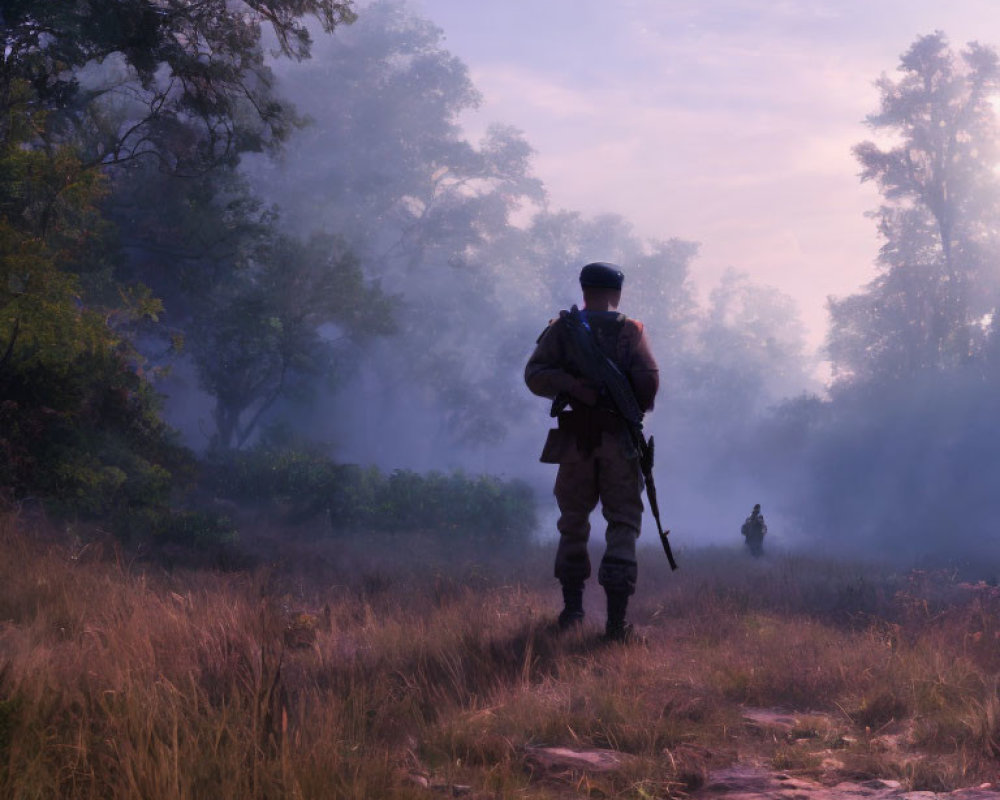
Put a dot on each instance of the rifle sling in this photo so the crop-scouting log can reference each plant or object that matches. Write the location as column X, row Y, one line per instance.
column 604, row 371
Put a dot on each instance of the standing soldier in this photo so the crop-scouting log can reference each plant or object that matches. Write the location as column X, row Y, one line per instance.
column 596, row 455
column 753, row 531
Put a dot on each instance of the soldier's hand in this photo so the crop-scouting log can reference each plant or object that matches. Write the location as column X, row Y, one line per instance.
column 585, row 392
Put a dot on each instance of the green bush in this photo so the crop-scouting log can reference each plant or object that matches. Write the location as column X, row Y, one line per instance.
column 86, row 434
column 305, row 484
column 85, row 437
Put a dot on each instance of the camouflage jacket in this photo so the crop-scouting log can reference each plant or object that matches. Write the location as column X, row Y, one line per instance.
column 550, row 372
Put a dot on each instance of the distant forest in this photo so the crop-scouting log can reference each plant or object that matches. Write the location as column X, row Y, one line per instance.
column 252, row 239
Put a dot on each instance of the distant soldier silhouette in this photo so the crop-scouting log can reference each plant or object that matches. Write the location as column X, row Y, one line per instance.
column 592, row 446
column 754, row 529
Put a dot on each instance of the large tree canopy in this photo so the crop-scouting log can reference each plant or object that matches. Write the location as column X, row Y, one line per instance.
column 186, row 82
column 902, row 455
column 933, row 302
column 93, row 92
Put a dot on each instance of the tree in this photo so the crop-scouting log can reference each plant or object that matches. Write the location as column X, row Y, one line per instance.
column 78, row 421
column 276, row 324
column 753, row 332
column 902, row 456
column 383, row 159
column 384, row 163
column 88, row 89
column 186, row 83
column 932, row 304
column 48, row 213
column 188, row 69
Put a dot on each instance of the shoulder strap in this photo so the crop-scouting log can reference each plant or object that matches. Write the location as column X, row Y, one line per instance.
column 601, row 369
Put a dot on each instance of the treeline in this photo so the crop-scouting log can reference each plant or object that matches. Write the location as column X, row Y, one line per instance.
column 308, row 243
column 181, row 212
column 130, row 242
column 901, row 457
column 461, row 233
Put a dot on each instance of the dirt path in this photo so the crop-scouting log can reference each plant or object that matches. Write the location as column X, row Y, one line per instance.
column 743, row 782
column 754, row 781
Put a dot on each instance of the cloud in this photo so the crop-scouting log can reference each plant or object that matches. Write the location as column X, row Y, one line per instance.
column 515, row 84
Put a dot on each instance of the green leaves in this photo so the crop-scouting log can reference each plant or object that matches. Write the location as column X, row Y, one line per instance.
column 272, row 325
column 355, row 498
column 88, row 87
column 47, row 205
column 196, row 88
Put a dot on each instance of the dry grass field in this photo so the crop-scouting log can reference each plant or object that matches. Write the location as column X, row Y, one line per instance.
column 394, row 672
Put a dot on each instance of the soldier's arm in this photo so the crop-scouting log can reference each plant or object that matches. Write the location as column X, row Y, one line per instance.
column 643, row 371
column 546, row 374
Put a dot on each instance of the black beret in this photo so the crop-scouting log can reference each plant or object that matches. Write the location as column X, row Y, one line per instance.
column 601, row 275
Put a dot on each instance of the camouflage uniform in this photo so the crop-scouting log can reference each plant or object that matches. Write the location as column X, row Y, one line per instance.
column 596, row 458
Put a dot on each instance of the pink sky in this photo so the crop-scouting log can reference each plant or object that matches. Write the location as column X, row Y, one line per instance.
column 727, row 122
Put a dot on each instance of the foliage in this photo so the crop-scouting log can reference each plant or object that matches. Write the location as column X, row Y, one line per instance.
column 276, row 321
column 52, row 235
column 753, row 332
column 358, row 498
column 933, row 304
column 483, row 507
column 901, row 457
column 264, row 316
column 86, row 434
column 199, row 530
column 184, row 83
column 86, row 89
column 384, row 163
column 80, row 422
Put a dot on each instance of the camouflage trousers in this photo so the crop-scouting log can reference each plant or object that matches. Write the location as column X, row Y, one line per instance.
column 616, row 481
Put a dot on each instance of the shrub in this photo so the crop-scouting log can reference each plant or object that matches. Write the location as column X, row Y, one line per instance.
column 305, row 484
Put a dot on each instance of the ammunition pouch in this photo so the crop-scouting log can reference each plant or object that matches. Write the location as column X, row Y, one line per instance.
column 588, row 425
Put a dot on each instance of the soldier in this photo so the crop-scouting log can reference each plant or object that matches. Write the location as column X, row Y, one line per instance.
column 596, row 457
column 754, row 528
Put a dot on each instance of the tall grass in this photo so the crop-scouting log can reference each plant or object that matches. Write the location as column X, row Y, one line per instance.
column 379, row 674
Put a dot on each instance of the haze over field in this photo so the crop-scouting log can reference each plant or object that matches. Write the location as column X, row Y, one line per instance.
column 346, row 243
column 271, row 510
column 721, row 138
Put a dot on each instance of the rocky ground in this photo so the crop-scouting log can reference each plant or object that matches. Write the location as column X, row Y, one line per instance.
column 741, row 781
column 744, row 780
column 747, row 782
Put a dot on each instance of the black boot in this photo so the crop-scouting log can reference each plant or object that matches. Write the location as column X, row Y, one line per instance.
column 572, row 613
column 617, row 629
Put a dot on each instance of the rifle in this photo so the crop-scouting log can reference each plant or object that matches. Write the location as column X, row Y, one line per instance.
column 601, row 369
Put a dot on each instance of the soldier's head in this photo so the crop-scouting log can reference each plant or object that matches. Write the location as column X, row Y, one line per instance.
column 602, row 286
column 756, row 508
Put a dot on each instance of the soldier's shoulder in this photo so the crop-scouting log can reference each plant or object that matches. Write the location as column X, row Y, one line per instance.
column 552, row 326
column 633, row 328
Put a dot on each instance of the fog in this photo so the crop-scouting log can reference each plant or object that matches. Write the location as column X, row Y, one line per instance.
column 895, row 456
column 461, row 232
